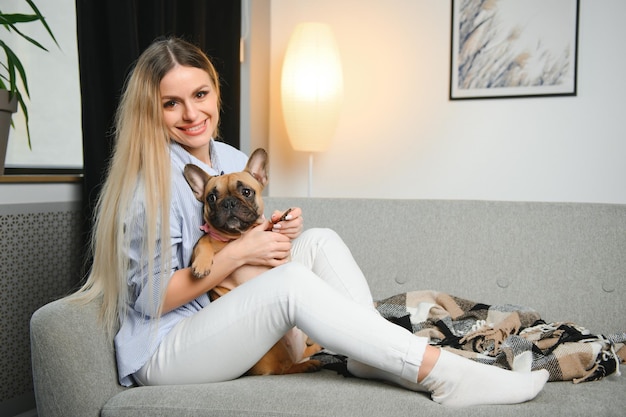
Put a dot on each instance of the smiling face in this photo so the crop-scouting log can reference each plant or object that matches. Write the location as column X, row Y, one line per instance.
column 190, row 108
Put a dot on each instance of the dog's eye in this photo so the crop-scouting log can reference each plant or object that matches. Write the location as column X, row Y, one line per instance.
column 211, row 198
column 246, row 192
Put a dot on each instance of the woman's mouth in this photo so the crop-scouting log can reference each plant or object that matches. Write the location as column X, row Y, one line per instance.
column 195, row 129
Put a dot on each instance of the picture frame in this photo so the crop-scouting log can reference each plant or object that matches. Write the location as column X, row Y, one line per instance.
column 513, row 48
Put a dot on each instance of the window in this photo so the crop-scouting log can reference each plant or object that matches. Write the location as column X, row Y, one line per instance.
column 53, row 80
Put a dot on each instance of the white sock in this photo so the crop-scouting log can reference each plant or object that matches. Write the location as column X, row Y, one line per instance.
column 362, row 370
column 459, row 382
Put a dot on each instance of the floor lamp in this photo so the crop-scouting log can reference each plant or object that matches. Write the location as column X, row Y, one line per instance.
column 311, row 89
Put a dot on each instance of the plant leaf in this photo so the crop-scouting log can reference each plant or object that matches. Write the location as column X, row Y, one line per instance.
column 14, row 18
column 43, row 20
column 28, row 38
column 22, row 104
column 14, row 63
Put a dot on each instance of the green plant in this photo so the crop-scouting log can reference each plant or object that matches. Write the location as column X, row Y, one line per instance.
column 12, row 67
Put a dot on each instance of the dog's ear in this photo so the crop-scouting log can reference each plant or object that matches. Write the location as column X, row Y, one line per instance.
column 197, row 179
column 257, row 166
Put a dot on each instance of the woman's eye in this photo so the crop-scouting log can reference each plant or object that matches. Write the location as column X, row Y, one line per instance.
column 202, row 94
column 169, row 104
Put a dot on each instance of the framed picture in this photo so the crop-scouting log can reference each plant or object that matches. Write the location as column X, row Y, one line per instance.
column 513, row 48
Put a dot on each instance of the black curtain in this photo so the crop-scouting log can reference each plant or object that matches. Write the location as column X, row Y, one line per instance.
column 111, row 36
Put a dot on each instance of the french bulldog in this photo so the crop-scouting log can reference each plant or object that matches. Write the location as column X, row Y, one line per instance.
column 232, row 205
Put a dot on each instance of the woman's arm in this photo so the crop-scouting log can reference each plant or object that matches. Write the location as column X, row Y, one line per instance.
column 257, row 247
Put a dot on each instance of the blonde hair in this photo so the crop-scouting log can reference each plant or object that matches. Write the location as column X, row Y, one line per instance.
column 141, row 156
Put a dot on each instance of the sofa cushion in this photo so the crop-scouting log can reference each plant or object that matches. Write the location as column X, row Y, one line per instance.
column 328, row 394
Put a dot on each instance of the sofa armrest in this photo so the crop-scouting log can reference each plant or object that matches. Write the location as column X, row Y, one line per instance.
column 74, row 368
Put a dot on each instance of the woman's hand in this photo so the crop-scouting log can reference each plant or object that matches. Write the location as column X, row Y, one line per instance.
column 261, row 247
column 293, row 224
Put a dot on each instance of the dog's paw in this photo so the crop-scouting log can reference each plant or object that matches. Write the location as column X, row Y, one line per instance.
column 311, row 365
column 200, row 269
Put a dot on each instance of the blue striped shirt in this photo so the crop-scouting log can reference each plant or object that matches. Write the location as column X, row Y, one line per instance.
column 139, row 336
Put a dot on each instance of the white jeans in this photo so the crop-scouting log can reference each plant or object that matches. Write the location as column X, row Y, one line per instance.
column 322, row 291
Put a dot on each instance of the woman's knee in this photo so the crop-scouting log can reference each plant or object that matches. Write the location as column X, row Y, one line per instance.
column 311, row 241
column 291, row 275
column 321, row 234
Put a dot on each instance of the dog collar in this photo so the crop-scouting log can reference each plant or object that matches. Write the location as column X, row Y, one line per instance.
column 206, row 228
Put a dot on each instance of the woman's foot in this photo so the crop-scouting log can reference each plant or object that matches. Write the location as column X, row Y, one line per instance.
column 459, row 382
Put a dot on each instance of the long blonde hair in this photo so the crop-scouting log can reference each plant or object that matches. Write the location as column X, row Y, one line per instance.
column 141, row 156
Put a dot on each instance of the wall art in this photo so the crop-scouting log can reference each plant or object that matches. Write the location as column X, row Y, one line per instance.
column 513, row 48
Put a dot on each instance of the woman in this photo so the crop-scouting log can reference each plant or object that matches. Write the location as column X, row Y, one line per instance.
column 147, row 221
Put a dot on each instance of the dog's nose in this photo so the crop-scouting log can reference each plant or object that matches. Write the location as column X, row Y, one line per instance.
column 229, row 203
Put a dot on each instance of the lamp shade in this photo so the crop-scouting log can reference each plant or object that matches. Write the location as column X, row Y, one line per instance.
column 311, row 87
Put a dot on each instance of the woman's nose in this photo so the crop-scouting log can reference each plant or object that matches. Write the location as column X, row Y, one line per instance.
column 190, row 111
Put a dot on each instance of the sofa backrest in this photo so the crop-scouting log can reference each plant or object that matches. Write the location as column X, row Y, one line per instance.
column 566, row 260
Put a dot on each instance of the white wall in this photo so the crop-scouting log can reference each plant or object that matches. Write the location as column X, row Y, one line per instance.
column 400, row 137
column 255, row 68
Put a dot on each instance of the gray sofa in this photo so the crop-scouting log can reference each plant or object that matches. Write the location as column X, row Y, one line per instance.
column 568, row 261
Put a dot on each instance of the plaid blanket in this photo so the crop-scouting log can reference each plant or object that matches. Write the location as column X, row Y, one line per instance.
column 508, row 336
